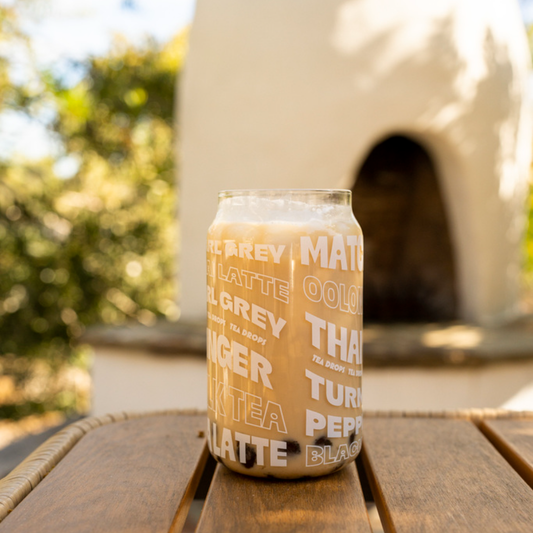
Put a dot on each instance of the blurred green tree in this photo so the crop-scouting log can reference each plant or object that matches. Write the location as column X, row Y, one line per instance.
column 529, row 246
column 87, row 236
column 528, row 261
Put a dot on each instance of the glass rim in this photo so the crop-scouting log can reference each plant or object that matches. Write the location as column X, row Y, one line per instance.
column 277, row 193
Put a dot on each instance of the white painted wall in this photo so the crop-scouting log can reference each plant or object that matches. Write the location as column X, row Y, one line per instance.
column 125, row 380
column 506, row 385
column 295, row 94
column 137, row 380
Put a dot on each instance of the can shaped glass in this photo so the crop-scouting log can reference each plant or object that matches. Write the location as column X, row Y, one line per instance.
column 284, row 333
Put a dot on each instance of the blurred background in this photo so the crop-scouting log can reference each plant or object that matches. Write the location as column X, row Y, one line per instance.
column 88, row 163
column 87, row 189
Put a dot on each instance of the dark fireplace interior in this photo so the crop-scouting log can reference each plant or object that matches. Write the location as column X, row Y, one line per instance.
column 409, row 263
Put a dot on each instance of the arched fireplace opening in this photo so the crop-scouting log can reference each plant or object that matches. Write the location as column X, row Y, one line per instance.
column 409, row 261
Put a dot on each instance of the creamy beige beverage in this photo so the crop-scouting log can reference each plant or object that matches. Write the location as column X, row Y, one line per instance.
column 284, row 336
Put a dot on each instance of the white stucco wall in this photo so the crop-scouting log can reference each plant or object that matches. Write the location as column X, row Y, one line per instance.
column 138, row 381
column 295, row 94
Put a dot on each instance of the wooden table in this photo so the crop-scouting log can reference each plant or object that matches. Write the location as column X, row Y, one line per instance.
column 469, row 471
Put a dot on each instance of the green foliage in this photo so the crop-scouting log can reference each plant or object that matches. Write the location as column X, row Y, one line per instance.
column 99, row 246
column 9, row 34
column 528, row 264
column 529, row 241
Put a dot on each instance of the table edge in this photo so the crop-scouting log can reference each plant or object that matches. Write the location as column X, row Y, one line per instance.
column 473, row 414
column 29, row 473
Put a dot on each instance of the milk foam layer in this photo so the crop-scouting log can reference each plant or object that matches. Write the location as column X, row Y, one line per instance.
column 282, row 210
column 284, row 337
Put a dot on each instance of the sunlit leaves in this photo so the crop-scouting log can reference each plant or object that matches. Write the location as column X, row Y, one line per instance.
column 99, row 246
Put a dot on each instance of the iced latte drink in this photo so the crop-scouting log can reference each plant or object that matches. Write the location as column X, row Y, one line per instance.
column 284, row 335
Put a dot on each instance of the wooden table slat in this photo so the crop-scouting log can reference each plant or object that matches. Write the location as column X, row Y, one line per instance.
column 129, row 476
column 514, row 440
column 442, row 475
column 330, row 503
column 434, row 472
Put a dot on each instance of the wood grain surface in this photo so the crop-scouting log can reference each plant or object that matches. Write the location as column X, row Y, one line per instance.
column 514, row 440
column 333, row 503
column 132, row 476
column 431, row 475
